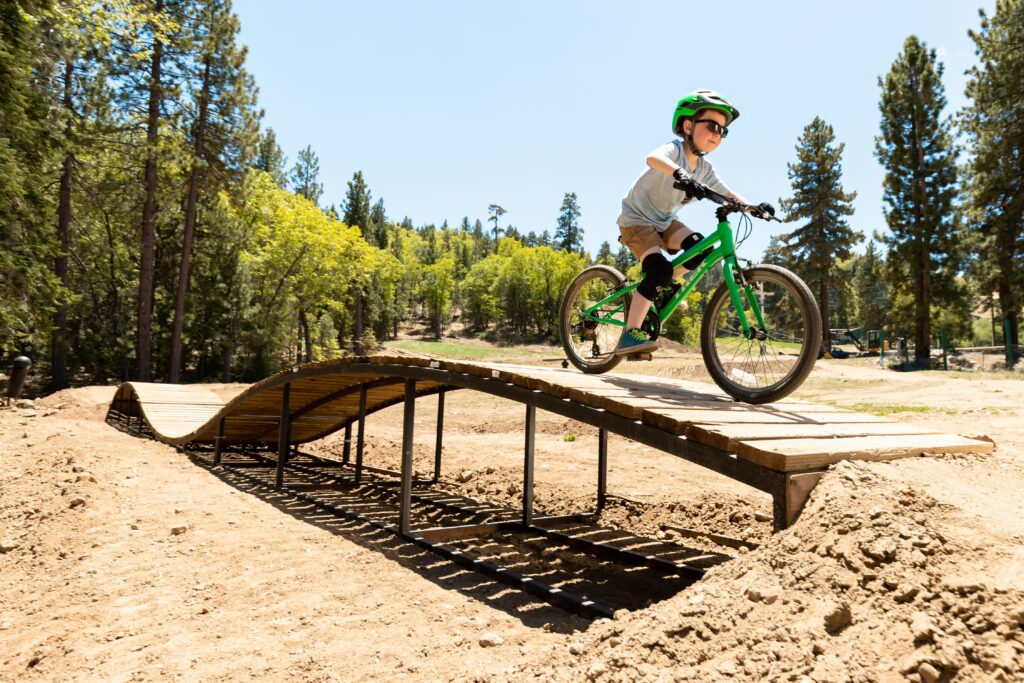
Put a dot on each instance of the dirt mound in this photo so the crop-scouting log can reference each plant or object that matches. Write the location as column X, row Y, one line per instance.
column 81, row 403
column 863, row 587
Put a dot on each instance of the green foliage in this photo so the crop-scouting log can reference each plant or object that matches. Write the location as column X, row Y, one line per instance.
column 820, row 204
column 870, row 294
column 994, row 123
column 569, row 234
column 916, row 150
column 306, row 175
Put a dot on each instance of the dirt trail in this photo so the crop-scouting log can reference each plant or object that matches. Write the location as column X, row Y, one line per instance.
column 120, row 559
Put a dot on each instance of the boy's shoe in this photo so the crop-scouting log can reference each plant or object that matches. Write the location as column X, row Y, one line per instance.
column 635, row 340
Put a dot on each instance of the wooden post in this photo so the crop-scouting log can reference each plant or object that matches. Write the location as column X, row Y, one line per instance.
column 407, row 435
column 602, row 468
column 284, row 436
column 789, row 499
column 531, row 430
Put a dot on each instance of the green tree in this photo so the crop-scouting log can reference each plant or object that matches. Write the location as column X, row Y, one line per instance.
column 604, row 254
column 568, row 233
column 496, row 212
column 223, row 133
column 270, row 158
column 994, row 123
column 306, row 175
column 821, row 205
column 871, row 296
column 357, row 207
column 916, row 150
column 623, row 259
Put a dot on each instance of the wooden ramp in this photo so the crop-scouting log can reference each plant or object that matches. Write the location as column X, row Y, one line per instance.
column 781, row 448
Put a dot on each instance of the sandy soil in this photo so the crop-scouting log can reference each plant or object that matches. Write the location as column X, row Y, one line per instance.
column 123, row 559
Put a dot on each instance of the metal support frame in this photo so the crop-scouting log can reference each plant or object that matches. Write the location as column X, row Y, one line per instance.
column 405, row 502
column 531, row 433
column 602, row 468
column 440, row 435
column 219, row 443
column 360, row 438
column 348, row 443
column 284, row 436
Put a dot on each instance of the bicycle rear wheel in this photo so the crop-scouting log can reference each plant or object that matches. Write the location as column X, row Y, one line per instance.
column 773, row 362
column 588, row 343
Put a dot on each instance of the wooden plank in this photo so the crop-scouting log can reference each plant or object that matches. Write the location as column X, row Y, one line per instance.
column 786, row 455
column 726, row 437
column 675, row 420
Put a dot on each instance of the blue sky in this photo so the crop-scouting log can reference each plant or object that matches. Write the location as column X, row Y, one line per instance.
column 447, row 107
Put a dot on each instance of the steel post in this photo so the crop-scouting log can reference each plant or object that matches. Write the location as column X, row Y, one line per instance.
column 405, row 502
column 602, row 468
column 284, row 436
column 531, row 431
column 440, row 435
column 348, row 443
column 361, row 434
column 219, row 449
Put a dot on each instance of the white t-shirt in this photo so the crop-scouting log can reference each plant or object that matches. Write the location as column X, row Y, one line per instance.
column 652, row 200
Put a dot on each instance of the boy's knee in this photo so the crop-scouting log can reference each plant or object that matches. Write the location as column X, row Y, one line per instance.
column 689, row 242
column 657, row 273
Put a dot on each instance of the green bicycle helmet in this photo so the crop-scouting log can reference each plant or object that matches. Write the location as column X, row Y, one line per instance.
column 697, row 100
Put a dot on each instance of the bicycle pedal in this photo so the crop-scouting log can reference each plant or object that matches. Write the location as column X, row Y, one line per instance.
column 640, row 356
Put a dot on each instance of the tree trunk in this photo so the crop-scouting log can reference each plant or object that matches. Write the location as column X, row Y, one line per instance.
column 190, row 226
column 147, row 259
column 922, row 338
column 826, row 332
column 359, row 322
column 58, row 348
column 228, row 352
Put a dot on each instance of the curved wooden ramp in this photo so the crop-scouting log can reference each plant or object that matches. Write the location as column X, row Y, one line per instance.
column 780, row 448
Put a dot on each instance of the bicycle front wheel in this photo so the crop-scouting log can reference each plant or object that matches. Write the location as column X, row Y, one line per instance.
column 765, row 364
column 589, row 339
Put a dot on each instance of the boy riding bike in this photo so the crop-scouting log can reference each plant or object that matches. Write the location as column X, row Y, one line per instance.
column 677, row 174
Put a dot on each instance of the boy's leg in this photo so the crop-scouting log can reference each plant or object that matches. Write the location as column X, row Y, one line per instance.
column 678, row 238
column 643, row 241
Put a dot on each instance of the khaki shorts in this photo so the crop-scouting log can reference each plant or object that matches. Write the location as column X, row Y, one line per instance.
column 641, row 238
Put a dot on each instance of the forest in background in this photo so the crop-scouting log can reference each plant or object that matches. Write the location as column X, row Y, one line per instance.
column 154, row 230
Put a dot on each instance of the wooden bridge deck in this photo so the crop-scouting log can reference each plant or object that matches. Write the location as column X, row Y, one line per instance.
column 781, row 448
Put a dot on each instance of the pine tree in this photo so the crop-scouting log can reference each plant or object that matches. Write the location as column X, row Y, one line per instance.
column 917, row 152
column 223, row 134
column 994, row 122
column 820, row 202
column 356, row 208
column 871, row 296
column 306, row 175
column 270, row 158
column 569, row 234
column 496, row 213
column 623, row 259
column 604, row 254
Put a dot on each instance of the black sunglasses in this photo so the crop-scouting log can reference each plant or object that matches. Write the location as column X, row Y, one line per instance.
column 714, row 127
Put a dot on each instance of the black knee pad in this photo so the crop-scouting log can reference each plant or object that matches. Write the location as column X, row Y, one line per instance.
column 688, row 243
column 657, row 273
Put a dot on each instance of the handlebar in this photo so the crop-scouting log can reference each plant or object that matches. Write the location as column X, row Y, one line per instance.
column 730, row 205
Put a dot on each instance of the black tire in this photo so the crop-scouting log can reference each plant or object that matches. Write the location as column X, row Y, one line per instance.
column 762, row 370
column 591, row 347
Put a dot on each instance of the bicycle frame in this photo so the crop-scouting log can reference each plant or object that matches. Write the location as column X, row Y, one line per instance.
column 724, row 251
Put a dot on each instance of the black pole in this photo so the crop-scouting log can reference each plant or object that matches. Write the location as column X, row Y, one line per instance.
column 359, row 437
column 440, row 433
column 407, row 433
column 219, row 443
column 348, row 443
column 284, row 436
column 602, row 468
column 531, row 430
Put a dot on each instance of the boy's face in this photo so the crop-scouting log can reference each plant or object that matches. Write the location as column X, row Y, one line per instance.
column 703, row 138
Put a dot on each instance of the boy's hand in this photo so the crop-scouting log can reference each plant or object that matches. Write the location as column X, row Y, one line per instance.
column 764, row 210
column 685, row 182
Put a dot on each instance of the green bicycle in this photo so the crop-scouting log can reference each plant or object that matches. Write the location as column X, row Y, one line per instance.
column 760, row 331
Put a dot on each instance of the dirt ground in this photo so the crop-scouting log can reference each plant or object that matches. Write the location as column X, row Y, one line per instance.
column 122, row 559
